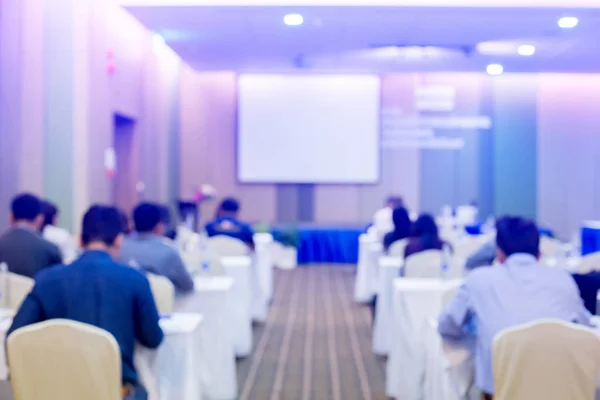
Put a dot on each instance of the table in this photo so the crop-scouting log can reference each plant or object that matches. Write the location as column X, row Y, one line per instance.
column 389, row 270
column 212, row 298
column 173, row 371
column 176, row 369
column 365, row 285
column 590, row 237
column 326, row 244
column 240, row 269
column 415, row 302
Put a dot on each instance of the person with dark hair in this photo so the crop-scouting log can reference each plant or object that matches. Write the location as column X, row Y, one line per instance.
column 96, row 290
column 518, row 291
column 23, row 248
column 125, row 222
column 228, row 224
column 150, row 251
column 383, row 218
column 402, row 227
column 424, row 236
column 54, row 234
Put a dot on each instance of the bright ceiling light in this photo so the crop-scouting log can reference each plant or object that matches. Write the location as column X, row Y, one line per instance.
column 568, row 22
column 293, row 19
column 526, row 50
column 495, row 69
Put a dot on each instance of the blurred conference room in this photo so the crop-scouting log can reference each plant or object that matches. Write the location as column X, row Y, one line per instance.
column 299, row 199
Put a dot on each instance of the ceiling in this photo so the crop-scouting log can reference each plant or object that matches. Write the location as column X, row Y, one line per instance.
column 376, row 39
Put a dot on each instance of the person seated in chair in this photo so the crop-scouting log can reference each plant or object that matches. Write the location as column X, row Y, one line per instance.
column 516, row 292
column 228, row 224
column 149, row 250
column 23, row 248
column 402, row 228
column 424, row 236
column 54, row 234
column 95, row 290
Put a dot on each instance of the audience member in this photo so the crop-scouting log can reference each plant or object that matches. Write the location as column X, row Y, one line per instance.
column 59, row 236
column 519, row 291
column 23, row 248
column 228, row 224
column 402, row 227
column 383, row 219
column 97, row 291
column 149, row 250
column 165, row 216
column 424, row 236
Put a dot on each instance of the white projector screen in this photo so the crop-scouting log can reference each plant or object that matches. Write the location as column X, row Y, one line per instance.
column 308, row 128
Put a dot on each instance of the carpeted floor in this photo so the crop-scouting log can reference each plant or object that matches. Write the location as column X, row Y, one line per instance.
column 316, row 343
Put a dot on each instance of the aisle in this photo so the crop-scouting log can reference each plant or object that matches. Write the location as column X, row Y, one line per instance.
column 316, row 344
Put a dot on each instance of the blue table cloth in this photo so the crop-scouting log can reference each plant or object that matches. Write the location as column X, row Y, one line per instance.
column 331, row 245
column 590, row 240
column 478, row 230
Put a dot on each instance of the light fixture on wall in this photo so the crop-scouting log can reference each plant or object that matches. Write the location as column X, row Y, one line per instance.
column 495, row 69
column 568, row 22
column 293, row 19
column 526, row 50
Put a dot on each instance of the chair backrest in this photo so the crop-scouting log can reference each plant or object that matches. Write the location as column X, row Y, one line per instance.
column 550, row 247
column 425, row 264
column 18, row 288
column 163, row 292
column 66, row 360
column 397, row 248
column 589, row 263
column 547, row 359
column 225, row 246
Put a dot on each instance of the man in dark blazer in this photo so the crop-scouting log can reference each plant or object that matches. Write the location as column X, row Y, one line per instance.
column 23, row 248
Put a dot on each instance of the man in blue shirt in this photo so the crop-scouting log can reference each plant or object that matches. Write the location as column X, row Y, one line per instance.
column 516, row 292
column 227, row 223
column 150, row 250
column 97, row 291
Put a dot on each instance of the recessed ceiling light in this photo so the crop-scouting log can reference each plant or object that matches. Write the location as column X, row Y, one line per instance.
column 568, row 22
column 526, row 50
column 293, row 19
column 495, row 69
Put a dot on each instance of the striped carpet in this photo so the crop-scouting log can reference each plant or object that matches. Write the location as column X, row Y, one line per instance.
column 316, row 343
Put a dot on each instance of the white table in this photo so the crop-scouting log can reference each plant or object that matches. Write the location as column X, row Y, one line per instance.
column 176, row 369
column 415, row 302
column 389, row 270
column 263, row 260
column 212, row 298
column 240, row 269
column 173, row 371
column 369, row 250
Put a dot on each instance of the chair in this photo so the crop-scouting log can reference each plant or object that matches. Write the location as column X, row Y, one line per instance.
column 589, row 263
column 66, row 360
column 14, row 288
column 550, row 248
column 547, row 359
column 224, row 246
column 397, row 248
column 163, row 292
column 426, row 264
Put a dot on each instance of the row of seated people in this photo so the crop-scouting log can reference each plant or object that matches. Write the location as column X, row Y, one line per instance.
column 100, row 287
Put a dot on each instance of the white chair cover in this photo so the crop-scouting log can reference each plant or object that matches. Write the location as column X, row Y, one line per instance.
column 66, row 360
column 14, row 289
column 426, row 264
column 548, row 359
column 550, row 248
column 163, row 292
column 589, row 263
column 365, row 285
column 224, row 246
column 397, row 248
